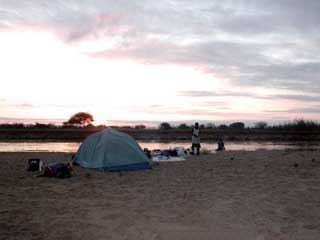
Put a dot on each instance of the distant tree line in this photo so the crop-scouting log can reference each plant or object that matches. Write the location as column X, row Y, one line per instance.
column 235, row 125
column 84, row 120
column 296, row 125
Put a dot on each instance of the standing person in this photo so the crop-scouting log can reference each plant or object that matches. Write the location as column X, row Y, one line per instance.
column 196, row 138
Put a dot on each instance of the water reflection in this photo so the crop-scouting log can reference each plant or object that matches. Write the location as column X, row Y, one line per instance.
column 73, row 146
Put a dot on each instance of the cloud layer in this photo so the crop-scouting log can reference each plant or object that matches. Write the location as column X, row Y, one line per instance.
column 274, row 44
column 259, row 43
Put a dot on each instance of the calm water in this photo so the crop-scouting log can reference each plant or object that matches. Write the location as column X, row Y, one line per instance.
column 73, row 146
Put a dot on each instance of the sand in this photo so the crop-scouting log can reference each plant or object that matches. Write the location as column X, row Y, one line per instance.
column 230, row 195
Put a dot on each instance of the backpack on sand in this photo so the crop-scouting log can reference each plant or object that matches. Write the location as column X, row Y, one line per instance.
column 35, row 164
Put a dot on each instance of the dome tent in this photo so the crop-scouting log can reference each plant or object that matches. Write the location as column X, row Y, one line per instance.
column 111, row 150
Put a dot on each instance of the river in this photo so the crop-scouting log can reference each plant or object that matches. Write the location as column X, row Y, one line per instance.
column 35, row 146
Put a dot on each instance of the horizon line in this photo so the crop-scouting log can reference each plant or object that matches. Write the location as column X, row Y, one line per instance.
column 148, row 123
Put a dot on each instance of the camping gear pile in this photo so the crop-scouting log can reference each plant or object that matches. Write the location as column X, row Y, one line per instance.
column 59, row 170
column 174, row 154
column 221, row 146
column 35, row 165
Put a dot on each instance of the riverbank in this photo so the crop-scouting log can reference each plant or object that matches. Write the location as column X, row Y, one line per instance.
column 79, row 134
column 229, row 195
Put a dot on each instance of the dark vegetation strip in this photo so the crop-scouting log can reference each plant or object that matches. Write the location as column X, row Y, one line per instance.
column 297, row 130
column 162, row 135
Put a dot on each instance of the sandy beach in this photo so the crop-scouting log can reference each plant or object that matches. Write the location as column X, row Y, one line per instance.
column 261, row 195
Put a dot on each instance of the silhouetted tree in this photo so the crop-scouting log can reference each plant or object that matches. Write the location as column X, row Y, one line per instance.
column 12, row 125
column 42, row 125
column 165, row 126
column 80, row 118
column 223, row 126
column 237, row 125
column 183, row 126
column 261, row 125
column 301, row 124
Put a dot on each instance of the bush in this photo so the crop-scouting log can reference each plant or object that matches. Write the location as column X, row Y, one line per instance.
column 165, row 126
column 237, row 125
column 183, row 126
column 223, row 126
column 299, row 125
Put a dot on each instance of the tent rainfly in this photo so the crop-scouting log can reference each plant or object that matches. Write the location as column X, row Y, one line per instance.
column 111, row 150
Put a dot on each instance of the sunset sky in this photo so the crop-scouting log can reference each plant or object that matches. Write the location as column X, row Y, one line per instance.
column 163, row 60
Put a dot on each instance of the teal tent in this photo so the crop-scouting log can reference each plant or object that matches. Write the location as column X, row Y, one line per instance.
column 111, row 150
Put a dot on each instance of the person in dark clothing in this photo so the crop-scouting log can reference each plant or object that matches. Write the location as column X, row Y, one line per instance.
column 220, row 145
column 196, row 139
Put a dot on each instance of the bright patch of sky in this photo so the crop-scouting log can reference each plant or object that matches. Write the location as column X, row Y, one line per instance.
column 158, row 61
